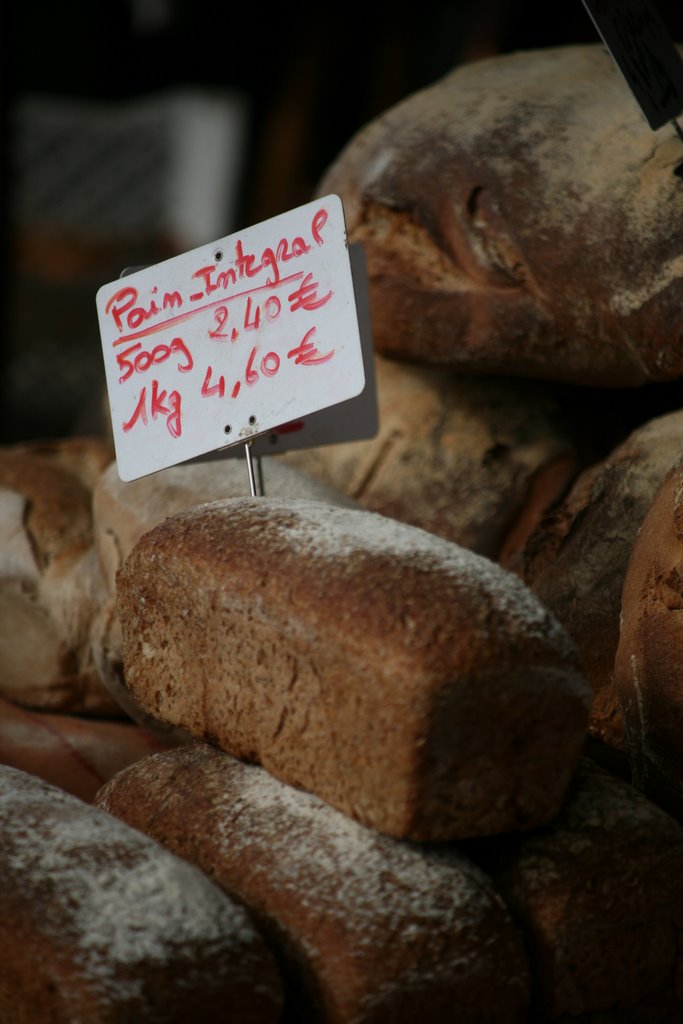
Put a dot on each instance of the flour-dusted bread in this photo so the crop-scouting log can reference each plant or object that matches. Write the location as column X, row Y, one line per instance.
column 101, row 924
column 475, row 460
column 598, row 893
column 649, row 661
column 366, row 928
column 576, row 558
column 51, row 583
column 516, row 218
column 409, row 682
column 124, row 510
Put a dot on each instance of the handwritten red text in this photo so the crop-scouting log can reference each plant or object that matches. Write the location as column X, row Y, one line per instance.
column 161, row 403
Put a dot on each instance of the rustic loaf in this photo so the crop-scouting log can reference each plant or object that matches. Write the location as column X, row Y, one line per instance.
column 460, row 456
column 51, row 584
column 124, row 510
column 576, row 558
column 647, row 670
column 101, row 924
column 515, row 217
column 598, row 893
column 411, row 683
column 366, row 928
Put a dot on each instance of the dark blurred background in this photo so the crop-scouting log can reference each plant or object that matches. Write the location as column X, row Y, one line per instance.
column 137, row 129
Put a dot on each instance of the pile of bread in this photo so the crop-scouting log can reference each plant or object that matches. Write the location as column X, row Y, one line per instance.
column 402, row 739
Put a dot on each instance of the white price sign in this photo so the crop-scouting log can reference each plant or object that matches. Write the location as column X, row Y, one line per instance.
column 231, row 340
column 353, row 420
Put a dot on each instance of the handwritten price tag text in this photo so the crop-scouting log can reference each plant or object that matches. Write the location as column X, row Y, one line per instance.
column 231, row 339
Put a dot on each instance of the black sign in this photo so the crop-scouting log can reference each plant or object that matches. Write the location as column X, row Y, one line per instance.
column 644, row 52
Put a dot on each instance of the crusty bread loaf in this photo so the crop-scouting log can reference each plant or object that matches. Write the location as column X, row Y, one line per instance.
column 515, row 217
column 411, row 683
column 101, row 924
column 576, row 559
column 124, row 510
column 51, row 584
column 366, row 928
column 647, row 670
column 460, row 456
column 598, row 893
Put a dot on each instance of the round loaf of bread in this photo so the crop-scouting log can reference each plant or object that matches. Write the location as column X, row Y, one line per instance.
column 102, row 924
column 647, row 669
column 598, row 894
column 366, row 928
column 409, row 682
column 457, row 455
column 516, row 219
column 51, row 583
column 576, row 558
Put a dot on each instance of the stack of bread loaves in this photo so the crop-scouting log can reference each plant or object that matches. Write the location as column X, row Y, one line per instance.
column 353, row 784
column 516, row 220
column 66, row 522
column 387, row 771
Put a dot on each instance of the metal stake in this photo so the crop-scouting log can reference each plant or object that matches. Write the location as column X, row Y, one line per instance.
column 255, row 479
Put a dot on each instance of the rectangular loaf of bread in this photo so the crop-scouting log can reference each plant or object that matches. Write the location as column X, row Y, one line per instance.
column 412, row 684
column 365, row 928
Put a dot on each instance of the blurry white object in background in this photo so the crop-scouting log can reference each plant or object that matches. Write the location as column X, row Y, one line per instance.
column 98, row 185
column 166, row 164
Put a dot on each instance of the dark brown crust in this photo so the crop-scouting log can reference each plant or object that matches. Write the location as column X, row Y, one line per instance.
column 101, row 924
column 647, row 665
column 507, row 230
column 598, row 893
column 376, row 675
column 366, row 929
column 577, row 557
